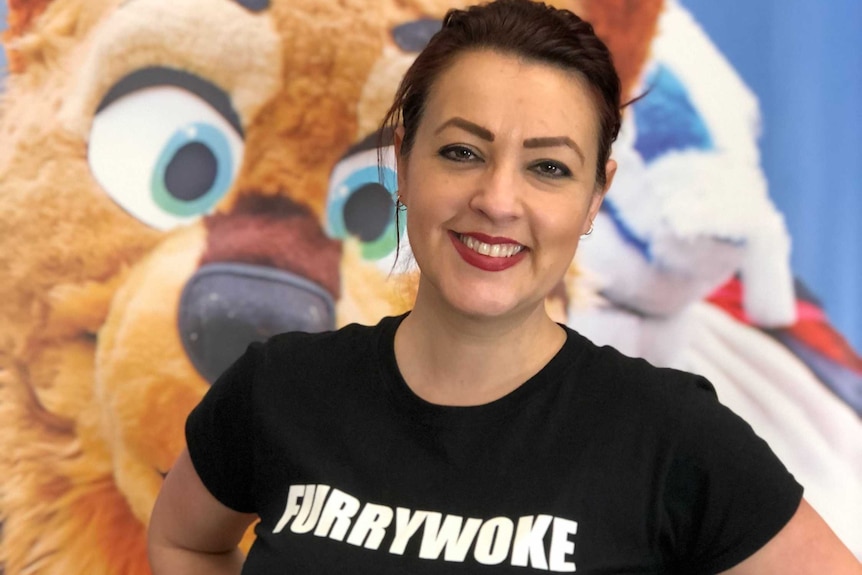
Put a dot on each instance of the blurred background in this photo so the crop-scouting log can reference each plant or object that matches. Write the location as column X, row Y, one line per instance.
column 804, row 62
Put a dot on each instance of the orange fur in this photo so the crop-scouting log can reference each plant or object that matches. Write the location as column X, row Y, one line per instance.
column 21, row 14
column 627, row 27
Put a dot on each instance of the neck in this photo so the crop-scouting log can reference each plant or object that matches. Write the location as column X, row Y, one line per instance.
column 449, row 358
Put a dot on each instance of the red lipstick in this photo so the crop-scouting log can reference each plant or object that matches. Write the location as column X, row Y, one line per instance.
column 483, row 262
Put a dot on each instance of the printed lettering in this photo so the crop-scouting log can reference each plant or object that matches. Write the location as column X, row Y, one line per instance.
column 371, row 524
column 540, row 542
column 337, row 513
column 291, row 508
column 529, row 547
column 405, row 527
column 495, row 537
column 312, row 503
column 450, row 538
column 561, row 545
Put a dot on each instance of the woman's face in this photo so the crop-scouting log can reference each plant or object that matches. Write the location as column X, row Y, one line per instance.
column 500, row 183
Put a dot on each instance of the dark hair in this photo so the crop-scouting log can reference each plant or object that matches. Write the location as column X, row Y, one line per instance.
column 525, row 29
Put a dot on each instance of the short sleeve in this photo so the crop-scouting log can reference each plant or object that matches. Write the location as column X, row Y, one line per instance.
column 727, row 494
column 219, row 434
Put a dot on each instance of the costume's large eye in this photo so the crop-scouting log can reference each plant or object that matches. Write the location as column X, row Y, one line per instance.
column 361, row 203
column 166, row 146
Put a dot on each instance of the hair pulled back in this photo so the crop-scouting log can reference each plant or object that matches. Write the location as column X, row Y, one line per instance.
column 524, row 29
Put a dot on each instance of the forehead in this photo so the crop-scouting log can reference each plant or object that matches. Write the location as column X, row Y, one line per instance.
column 504, row 92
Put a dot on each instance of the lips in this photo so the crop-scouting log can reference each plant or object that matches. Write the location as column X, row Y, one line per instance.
column 488, row 253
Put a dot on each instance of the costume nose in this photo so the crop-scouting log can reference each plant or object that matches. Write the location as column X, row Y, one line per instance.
column 268, row 268
column 226, row 306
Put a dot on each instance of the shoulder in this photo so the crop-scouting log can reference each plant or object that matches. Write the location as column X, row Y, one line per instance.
column 723, row 493
column 346, row 337
column 617, row 374
column 349, row 333
column 302, row 356
column 350, row 340
column 676, row 410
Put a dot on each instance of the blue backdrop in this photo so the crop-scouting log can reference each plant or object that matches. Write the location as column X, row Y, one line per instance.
column 804, row 61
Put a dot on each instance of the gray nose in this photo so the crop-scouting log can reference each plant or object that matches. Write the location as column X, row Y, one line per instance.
column 226, row 306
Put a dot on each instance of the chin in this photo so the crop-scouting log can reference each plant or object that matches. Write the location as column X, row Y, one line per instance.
column 491, row 306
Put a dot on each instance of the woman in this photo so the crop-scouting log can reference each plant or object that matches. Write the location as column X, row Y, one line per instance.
column 475, row 434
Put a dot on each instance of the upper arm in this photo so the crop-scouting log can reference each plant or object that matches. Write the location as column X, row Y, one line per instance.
column 186, row 515
column 806, row 545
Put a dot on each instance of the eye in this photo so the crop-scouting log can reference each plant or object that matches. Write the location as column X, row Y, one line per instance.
column 361, row 206
column 459, row 153
column 552, row 169
column 165, row 153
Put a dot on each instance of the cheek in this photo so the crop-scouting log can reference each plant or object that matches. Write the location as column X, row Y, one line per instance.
column 431, row 195
column 423, row 212
column 561, row 239
column 567, row 220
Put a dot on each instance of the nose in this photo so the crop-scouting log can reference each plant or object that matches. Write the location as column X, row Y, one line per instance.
column 498, row 194
column 268, row 268
column 226, row 306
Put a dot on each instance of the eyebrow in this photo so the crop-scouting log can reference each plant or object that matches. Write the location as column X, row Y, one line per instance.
column 485, row 134
column 467, row 125
column 558, row 141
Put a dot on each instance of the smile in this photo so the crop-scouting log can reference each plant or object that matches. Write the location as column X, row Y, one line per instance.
column 490, row 250
column 490, row 255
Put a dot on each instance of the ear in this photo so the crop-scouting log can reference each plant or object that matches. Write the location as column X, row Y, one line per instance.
column 400, row 164
column 599, row 194
column 20, row 18
column 610, row 172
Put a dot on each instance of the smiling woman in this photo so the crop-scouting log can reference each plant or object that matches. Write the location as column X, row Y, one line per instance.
column 474, row 434
column 493, row 183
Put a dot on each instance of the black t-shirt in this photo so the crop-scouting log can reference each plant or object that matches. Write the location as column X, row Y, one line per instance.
column 599, row 463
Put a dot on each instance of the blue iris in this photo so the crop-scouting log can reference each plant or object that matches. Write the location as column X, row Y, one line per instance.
column 193, row 171
column 363, row 206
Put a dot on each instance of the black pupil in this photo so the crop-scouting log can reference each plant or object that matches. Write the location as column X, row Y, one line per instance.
column 191, row 172
column 368, row 211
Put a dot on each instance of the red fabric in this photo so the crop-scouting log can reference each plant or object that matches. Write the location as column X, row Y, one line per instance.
column 812, row 327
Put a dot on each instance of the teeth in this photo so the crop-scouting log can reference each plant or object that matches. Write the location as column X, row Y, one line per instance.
column 492, row 250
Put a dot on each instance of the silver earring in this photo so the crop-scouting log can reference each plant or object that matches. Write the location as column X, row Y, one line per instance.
column 399, row 205
column 589, row 231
